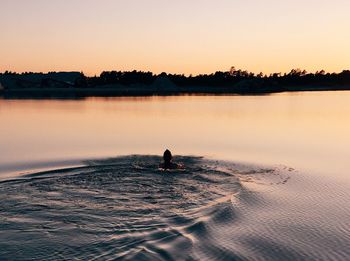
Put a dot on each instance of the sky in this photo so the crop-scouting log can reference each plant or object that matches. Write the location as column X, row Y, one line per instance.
column 182, row 36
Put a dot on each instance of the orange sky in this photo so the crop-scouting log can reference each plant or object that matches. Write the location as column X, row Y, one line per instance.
column 185, row 36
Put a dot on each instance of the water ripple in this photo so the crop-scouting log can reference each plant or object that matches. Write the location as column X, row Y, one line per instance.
column 126, row 208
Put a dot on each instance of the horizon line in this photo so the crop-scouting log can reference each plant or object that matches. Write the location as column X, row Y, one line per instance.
column 170, row 73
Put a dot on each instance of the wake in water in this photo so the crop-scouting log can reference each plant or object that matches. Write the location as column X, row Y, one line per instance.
column 128, row 208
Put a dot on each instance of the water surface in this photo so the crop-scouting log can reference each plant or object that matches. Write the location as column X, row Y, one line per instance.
column 265, row 178
column 308, row 130
column 126, row 208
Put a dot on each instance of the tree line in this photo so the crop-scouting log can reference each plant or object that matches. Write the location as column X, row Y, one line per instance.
column 295, row 77
column 230, row 78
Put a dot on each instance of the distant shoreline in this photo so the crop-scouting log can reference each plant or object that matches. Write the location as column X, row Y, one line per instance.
column 111, row 91
column 138, row 83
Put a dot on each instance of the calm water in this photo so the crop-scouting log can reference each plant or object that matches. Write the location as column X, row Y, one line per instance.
column 265, row 178
column 303, row 130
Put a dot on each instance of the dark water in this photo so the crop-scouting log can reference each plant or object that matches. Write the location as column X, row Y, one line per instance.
column 126, row 208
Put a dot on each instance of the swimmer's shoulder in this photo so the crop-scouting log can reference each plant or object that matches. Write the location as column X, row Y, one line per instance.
column 172, row 166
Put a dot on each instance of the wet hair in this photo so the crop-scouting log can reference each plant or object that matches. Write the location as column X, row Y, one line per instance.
column 167, row 156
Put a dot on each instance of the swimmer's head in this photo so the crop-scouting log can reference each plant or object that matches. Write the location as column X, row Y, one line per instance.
column 167, row 156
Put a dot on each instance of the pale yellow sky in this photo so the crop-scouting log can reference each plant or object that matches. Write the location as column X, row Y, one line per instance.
column 185, row 36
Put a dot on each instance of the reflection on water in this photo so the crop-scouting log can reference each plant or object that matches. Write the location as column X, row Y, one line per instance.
column 304, row 130
column 126, row 207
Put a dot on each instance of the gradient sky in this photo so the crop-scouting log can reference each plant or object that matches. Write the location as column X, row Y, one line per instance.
column 182, row 36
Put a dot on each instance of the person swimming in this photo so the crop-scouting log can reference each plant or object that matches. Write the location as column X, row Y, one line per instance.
column 168, row 164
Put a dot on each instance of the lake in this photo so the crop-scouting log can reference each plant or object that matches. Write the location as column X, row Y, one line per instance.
column 307, row 130
column 292, row 148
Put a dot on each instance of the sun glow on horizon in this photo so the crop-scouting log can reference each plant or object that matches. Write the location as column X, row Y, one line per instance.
column 180, row 37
